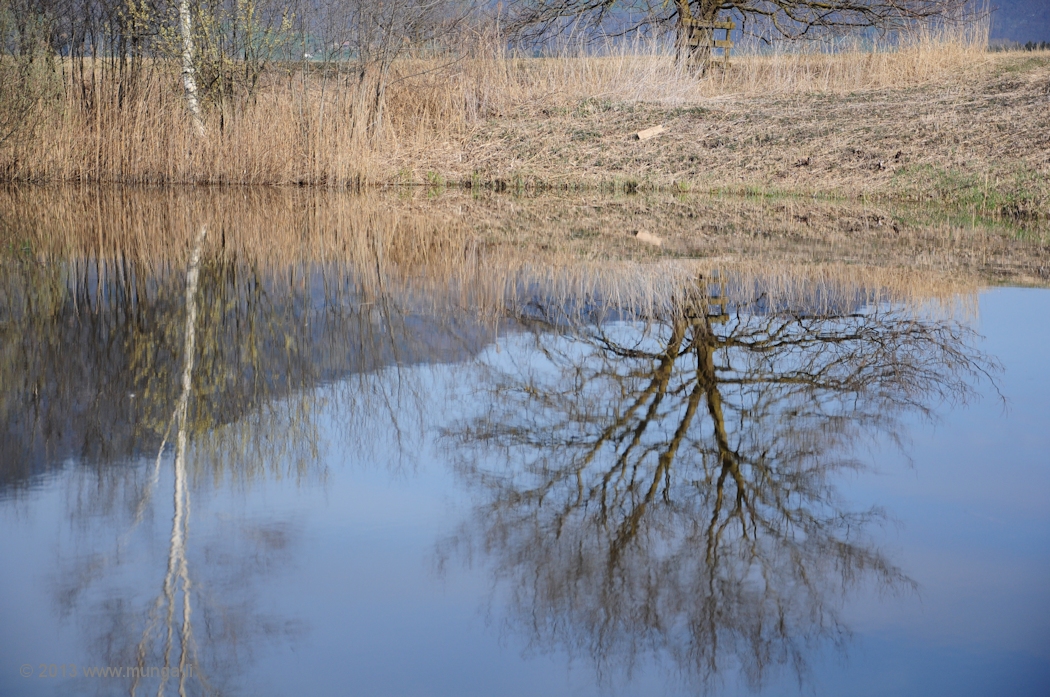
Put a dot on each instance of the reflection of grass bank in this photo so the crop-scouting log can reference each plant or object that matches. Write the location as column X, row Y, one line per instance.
column 478, row 245
column 307, row 287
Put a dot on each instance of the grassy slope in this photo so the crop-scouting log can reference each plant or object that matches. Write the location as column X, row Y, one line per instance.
column 980, row 140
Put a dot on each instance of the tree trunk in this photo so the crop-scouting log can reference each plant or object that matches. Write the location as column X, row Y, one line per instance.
column 189, row 79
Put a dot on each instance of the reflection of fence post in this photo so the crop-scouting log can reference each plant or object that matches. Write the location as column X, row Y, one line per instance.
column 719, row 301
column 706, row 302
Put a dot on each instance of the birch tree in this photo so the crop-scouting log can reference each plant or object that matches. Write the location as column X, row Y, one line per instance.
column 189, row 76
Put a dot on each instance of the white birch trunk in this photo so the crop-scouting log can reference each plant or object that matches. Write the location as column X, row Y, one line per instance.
column 189, row 78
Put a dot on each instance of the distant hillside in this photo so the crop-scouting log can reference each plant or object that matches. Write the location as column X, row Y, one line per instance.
column 1021, row 20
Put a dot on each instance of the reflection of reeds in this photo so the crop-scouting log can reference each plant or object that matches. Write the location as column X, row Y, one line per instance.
column 456, row 251
column 302, row 289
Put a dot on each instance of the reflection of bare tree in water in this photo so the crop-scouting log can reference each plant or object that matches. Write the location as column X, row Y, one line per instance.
column 670, row 493
column 273, row 344
column 159, row 644
column 250, row 361
column 177, row 577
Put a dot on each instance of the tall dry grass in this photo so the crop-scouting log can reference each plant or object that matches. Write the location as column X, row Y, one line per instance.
column 913, row 58
column 306, row 124
column 645, row 70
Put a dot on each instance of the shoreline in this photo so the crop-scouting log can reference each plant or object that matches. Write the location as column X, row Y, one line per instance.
column 977, row 139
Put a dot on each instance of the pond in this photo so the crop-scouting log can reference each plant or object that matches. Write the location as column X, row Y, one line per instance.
column 354, row 446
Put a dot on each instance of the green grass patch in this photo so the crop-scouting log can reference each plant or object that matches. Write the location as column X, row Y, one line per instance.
column 1019, row 195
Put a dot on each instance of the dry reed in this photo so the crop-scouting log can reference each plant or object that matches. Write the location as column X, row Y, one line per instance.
column 304, row 123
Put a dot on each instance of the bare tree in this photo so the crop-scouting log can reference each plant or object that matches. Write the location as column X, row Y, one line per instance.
column 787, row 18
column 362, row 39
column 28, row 74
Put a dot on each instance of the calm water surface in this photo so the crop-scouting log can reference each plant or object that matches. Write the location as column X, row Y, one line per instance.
column 337, row 478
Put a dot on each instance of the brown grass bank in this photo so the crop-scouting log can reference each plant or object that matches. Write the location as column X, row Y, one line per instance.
column 937, row 118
